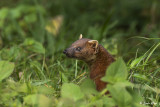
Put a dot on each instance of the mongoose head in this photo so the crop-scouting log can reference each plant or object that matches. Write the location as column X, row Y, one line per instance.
column 83, row 49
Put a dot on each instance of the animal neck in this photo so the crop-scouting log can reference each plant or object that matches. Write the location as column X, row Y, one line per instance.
column 99, row 65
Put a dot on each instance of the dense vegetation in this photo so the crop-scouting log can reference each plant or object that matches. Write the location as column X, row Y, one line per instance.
column 35, row 73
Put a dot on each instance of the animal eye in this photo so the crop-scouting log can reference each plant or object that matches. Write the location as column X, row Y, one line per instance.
column 78, row 49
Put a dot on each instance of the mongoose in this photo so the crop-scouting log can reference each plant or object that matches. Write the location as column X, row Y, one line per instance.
column 95, row 55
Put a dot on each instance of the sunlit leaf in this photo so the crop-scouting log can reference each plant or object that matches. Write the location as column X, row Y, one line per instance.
column 54, row 25
column 116, row 72
column 136, row 61
column 72, row 91
column 97, row 103
column 64, row 78
column 108, row 102
column 121, row 96
column 88, row 87
column 37, row 99
column 45, row 90
column 6, row 69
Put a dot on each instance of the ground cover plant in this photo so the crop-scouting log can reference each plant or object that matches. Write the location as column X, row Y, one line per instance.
column 35, row 73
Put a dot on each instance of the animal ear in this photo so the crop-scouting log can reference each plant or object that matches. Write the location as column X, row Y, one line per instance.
column 93, row 43
column 80, row 37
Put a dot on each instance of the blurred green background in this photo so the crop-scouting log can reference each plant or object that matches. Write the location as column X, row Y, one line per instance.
column 56, row 24
column 34, row 33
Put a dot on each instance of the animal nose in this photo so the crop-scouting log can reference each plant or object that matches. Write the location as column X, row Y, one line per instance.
column 65, row 51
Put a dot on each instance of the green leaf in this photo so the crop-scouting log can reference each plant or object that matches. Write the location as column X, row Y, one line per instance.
column 3, row 13
column 72, row 91
column 108, row 102
column 116, row 72
column 88, row 87
column 66, row 102
column 15, row 13
column 37, row 99
column 64, row 78
column 97, row 103
column 6, row 68
column 136, row 61
column 30, row 18
column 34, row 46
column 22, row 88
column 45, row 90
column 150, row 54
column 140, row 76
column 121, row 96
column 136, row 98
column 125, row 84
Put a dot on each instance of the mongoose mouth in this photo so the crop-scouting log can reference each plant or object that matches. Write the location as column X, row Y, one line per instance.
column 70, row 56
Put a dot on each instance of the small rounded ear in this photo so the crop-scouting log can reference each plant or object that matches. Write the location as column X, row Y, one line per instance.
column 93, row 43
column 80, row 37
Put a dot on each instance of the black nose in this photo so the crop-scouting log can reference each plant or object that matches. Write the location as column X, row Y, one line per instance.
column 65, row 51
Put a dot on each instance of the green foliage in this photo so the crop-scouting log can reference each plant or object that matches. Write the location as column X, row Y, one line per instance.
column 88, row 87
column 120, row 90
column 71, row 91
column 6, row 68
column 37, row 100
column 117, row 72
column 34, row 33
column 16, row 21
column 34, row 46
column 14, row 93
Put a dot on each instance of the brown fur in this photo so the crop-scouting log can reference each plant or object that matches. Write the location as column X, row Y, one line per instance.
column 95, row 55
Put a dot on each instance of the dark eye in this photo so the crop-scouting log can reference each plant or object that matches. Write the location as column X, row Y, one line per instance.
column 78, row 48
